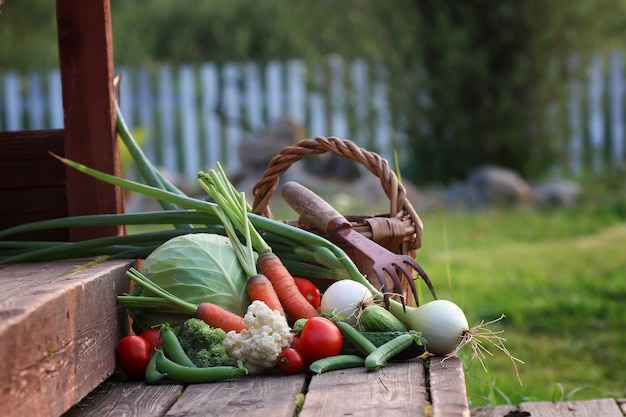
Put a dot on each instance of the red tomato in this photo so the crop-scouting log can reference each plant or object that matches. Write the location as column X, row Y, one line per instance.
column 153, row 337
column 133, row 355
column 319, row 338
column 309, row 290
column 290, row 361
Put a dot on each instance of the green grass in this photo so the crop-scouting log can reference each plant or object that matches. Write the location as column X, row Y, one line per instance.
column 560, row 279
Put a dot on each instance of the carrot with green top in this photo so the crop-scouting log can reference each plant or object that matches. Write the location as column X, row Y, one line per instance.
column 259, row 287
column 294, row 303
column 212, row 314
column 232, row 210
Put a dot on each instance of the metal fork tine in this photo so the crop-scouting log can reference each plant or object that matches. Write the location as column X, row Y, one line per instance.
column 393, row 273
column 410, row 277
column 423, row 275
column 383, row 282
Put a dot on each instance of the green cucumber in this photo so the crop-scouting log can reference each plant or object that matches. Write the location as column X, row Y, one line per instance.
column 380, row 338
column 375, row 318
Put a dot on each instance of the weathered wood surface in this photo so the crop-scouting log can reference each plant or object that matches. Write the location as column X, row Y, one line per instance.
column 495, row 411
column 32, row 183
column 445, row 380
column 595, row 408
column 399, row 389
column 252, row 396
column 604, row 407
column 128, row 399
column 59, row 324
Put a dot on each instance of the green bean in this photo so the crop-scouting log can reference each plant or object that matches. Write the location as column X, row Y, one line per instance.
column 356, row 339
column 152, row 375
column 187, row 374
column 388, row 350
column 332, row 363
column 172, row 348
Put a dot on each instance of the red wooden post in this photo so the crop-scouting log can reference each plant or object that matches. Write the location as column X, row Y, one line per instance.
column 86, row 60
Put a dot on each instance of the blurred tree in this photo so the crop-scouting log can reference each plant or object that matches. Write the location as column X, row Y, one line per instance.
column 472, row 82
column 28, row 35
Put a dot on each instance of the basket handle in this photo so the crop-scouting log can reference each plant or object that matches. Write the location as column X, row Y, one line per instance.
column 400, row 206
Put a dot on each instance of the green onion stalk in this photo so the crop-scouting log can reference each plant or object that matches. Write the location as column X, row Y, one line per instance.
column 317, row 248
column 302, row 252
column 332, row 262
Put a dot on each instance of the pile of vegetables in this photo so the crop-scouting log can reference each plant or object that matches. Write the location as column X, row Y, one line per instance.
column 227, row 294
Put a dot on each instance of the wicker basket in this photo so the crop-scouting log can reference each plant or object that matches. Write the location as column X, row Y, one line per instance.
column 400, row 231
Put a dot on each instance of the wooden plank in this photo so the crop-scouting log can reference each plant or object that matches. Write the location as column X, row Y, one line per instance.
column 86, row 60
column 129, row 399
column 12, row 101
column 17, row 280
column 190, row 145
column 32, row 183
column 590, row 408
column 400, row 387
column 58, row 337
column 35, row 109
column 260, row 396
column 232, row 104
column 167, row 152
column 495, row 411
column 25, row 160
column 55, row 99
column 622, row 405
column 36, row 206
column 210, row 99
column 447, row 387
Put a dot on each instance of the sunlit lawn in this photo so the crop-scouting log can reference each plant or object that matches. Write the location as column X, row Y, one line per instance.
column 560, row 279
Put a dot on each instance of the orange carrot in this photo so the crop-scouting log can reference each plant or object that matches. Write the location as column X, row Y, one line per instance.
column 260, row 288
column 216, row 316
column 292, row 300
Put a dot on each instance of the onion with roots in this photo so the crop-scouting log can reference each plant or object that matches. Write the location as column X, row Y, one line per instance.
column 444, row 326
column 346, row 298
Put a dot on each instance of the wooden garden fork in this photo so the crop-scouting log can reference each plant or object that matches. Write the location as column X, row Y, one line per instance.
column 325, row 218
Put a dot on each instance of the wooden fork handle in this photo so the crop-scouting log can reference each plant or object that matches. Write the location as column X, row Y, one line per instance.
column 314, row 208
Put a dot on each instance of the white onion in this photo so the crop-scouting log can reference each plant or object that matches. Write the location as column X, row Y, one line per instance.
column 443, row 324
column 345, row 298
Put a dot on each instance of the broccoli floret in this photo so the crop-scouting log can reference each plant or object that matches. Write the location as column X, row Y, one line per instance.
column 203, row 344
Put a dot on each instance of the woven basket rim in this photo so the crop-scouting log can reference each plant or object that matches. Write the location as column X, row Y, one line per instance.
column 400, row 207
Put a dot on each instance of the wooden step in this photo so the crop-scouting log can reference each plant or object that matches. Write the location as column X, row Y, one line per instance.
column 604, row 407
column 59, row 325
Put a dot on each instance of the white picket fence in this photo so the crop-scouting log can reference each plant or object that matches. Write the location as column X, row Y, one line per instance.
column 195, row 115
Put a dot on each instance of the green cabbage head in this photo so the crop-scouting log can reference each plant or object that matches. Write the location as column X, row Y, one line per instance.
column 197, row 267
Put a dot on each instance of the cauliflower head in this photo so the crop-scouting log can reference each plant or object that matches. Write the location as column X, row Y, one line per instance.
column 258, row 346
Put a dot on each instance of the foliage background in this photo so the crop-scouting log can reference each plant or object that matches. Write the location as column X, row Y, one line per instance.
column 473, row 83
